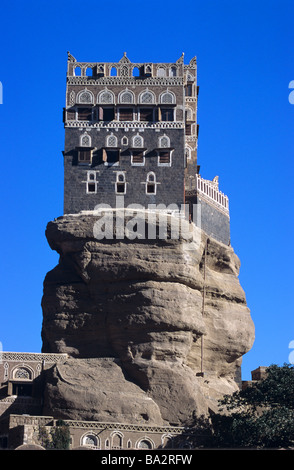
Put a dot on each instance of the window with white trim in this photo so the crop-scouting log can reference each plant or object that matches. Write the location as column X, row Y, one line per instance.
column 92, row 182
column 151, row 183
column 120, row 184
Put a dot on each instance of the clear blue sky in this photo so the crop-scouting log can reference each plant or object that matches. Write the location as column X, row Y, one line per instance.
column 245, row 56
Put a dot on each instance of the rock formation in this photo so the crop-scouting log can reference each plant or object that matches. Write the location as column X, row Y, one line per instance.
column 140, row 318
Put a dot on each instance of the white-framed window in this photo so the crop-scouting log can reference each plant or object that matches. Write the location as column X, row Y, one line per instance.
column 164, row 141
column 111, row 141
column 167, row 97
column 120, row 184
column 151, row 184
column 137, row 157
column 124, row 140
column 105, row 97
column 137, row 141
column 92, row 182
column 90, row 440
column 126, row 97
column 85, row 155
column 164, row 157
column 85, row 97
column 85, row 140
column 147, row 97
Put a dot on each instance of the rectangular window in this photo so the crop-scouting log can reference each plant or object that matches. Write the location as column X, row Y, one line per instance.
column 150, row 189
column 146, row 114
column 126, row 114
column 84, row 114
column 164, row 158
column 85, row 156
column 188, row 129
column 167, row 114
column 188, row 89
column 112, row 156
column 105, row 114
column 137, row 157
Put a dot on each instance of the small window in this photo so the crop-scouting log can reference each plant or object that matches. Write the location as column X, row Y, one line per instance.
column 113, row 72
column 138, row 141
column 85, row 155
column 111, row 141
column 120, row 185
column 136, row 72
column 92, row 182
column 124, row 141
column 89, row 72
column 161, row 72
column 146, row 114
column 137, row 158
column 126, row 114
column 188, row 89
column 167, row 114
column 105, row 114
column 112, row 156
column 188, row 129
column 105, row 97
column 151, row 183
column 126, row 97
column 84, row 114
column 77, row 72
column 164, row 158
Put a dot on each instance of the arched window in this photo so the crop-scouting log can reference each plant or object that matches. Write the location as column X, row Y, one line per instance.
column 22, row 373
column 77, row 72
column 111, row 141
column 161, row 72
column 136, row 72
column 164, row 141
column 90, row 440
column 116, row 440
column 167, row 98
column 85, row 97
column 138, row 141
column 120, row 185
column 173, row 72
column 89, row 72
column 147, row 97
column 85, row 140
column 151, row 183
column 124, row 141
column 126, row 97
column 113, row 72
column 145, row 444
column 105, row 97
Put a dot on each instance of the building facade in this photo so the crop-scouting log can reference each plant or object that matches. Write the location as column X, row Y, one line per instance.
column 131, row 130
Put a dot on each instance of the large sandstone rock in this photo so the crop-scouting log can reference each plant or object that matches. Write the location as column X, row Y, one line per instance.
column 140, row 301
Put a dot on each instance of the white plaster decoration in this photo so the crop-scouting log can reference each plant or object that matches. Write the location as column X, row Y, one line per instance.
column 105, row 97
column 147, row 97
column 164, row 141
column 111, row 141
column 137, row 141
column 85, row 97
column 126, row 97
column 167, row 97
column 85, row 140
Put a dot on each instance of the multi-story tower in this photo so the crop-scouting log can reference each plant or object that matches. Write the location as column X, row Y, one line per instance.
column 130, row 129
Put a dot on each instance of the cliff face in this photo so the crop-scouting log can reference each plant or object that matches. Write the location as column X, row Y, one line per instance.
column 132, row 316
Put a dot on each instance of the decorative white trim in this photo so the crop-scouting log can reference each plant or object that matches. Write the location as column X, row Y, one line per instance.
column 81, row 97
column 101, row 97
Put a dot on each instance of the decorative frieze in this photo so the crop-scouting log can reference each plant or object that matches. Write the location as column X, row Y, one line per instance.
column 126, row 81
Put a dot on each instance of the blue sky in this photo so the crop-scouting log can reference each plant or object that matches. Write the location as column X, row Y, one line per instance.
column 245, row 56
